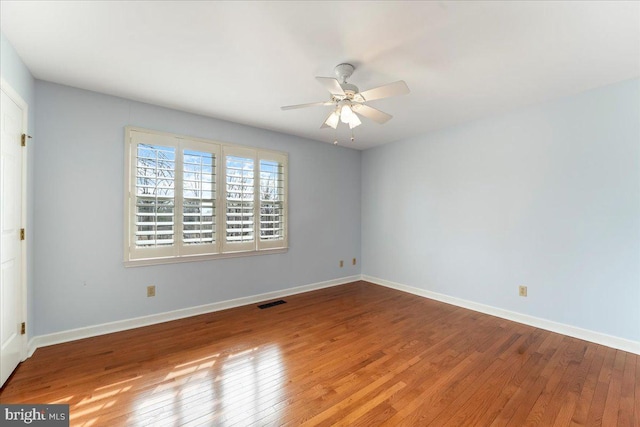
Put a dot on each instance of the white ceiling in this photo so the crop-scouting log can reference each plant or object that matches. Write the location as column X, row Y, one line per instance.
column 241, row 61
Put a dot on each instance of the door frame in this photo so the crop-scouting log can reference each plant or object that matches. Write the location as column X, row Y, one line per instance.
column 23, row 310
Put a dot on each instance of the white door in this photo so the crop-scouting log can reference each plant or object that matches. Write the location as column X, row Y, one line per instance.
column 11, row 116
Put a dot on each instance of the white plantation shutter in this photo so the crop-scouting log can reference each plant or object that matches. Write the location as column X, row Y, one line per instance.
column 199, row 190
column 152, row 218
column 273, row 206
column 240, row 199
column 155, row 195
column 197, row 199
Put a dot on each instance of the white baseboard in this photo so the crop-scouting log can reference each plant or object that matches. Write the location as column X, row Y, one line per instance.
column 561, row 328
column 122, row 325
column 137, row 322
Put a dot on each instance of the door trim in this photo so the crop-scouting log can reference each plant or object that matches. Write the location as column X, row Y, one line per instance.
column 15, row 97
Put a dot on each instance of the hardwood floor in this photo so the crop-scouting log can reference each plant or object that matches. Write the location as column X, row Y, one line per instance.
column 357, row 354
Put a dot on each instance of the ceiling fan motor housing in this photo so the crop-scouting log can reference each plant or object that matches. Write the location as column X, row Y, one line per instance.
column 349, row 89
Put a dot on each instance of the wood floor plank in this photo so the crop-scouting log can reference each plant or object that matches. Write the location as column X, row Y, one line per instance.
column 636, row 412
column 544, row 410
column 483, row 407
column 517, row 409
column 612, row 403
column 568, row 395
column 596, row 410
column 583, row 404
column 530, row 367
column 356, row 354
column 627, row 392
column 448, row 400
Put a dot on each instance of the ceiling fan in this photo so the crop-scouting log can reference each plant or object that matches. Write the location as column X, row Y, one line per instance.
column 348, row 102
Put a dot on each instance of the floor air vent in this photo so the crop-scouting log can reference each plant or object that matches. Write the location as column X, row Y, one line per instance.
column 271, row 304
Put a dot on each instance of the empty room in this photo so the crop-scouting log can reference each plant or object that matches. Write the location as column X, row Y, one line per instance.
column 357, row 213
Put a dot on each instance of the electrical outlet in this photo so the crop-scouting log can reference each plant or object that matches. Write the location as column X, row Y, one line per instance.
column 341, row 263
column 353, row 262
column 522, row 291
column 151, row 291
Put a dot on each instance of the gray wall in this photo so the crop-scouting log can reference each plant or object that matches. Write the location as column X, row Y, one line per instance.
column 81, row 279
column 15, row 73
column 547, row 196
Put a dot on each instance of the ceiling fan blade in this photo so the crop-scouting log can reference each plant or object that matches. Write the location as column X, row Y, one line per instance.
column 386, row 91
column 371, row 113
column 332, row 85
column 312, row 104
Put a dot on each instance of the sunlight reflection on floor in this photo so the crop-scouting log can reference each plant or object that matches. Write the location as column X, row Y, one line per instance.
column 240, row 388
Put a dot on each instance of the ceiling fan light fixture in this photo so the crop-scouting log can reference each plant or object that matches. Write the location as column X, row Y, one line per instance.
column 333, row 119
column 354, row 121
column 346, row 114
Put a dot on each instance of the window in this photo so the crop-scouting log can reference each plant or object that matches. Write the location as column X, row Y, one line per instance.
column 193, row 199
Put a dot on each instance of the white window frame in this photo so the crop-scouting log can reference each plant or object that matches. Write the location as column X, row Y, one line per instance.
column 178, row 252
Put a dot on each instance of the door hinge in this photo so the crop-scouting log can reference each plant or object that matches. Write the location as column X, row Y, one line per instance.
column 23, row 139
column 22, row 234
column 23, row 328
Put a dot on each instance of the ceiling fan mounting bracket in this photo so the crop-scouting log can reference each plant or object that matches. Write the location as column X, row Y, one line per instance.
column 343, row 72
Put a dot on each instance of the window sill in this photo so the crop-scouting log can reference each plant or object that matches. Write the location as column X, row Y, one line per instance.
column 194, row 258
